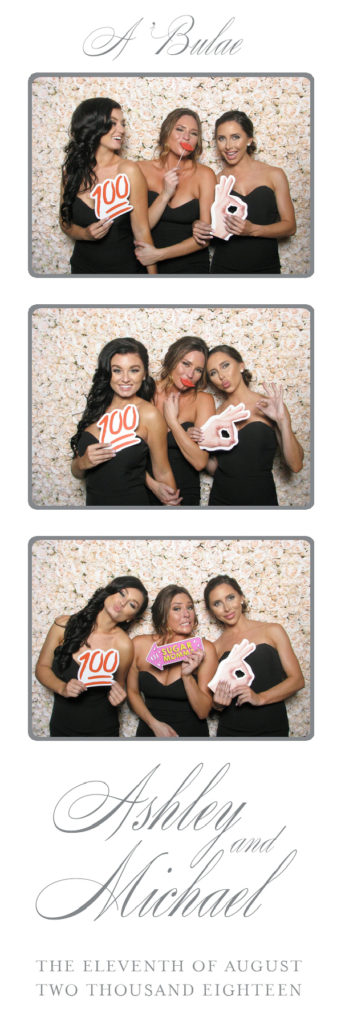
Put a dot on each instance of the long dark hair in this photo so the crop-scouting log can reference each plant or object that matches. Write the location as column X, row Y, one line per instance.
column 89, row 122
column 243, row 120
column 234, row 354
column 167, row 127
column 80, row 624
column 177, row 351
column 160, row 608
column 100, row 394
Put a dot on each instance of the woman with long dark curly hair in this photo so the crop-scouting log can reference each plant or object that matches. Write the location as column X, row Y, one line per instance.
column 178, row 396
column 252, row 245
column 180, row 190
column 245, row 433
column 86, row 657
column 93, row 173
column 260, row 667
column 121, row 430
column 176, row 700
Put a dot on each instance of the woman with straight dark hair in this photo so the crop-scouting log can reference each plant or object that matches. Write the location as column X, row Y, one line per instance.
column 86, row 657
column 121, row 430
column 183, row 404
column 262, row 670
column 245, row 446
column 180, row 190
column 252, row 246
column 93, row 173
column 174, row 701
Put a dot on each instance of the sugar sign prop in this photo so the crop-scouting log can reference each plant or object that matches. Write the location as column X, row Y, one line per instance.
column 168, row 654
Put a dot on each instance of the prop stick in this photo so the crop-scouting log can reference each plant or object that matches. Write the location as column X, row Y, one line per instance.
column 187, row 148
column 168, row 654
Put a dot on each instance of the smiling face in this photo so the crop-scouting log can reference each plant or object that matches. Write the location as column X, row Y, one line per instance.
column 181, row 615
column 226, row 604
column 127, row 374
column 224, row 372
column 114, row 137
column 185, row 130
column 124, row 605
column 232, row 142
column 189, row 370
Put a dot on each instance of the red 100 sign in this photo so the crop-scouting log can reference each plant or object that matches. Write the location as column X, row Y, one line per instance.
column 112, row 197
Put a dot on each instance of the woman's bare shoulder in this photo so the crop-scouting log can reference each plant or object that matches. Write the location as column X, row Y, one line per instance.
column 61, row 620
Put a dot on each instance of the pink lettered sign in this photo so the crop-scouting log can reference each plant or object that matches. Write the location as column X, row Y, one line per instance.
column 168, row 654
column 112, row 197
column 212, row 432
column 226, row 202
column 97, row 667
column 118, row 428
column 235, row 662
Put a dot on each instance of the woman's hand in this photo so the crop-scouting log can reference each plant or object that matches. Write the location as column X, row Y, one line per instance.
column 202, row 232
column 272, row 404
column 246, row 695
column 222, row 696
column 94, row 455
column 167, row 495
column 170, row 183
column 146, row 254
column 171, row 408
column 163, row 731
column 191, row 663
column 94, row 232
column 236, row 226
column 195, row 433
column 116, row 695
column 73, row 688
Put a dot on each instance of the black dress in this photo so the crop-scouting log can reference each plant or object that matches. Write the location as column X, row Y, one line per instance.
column 244, row 474
column 247, row 255
column 248, row 720
column 121, row 480
column 170, row 704
column 186, row 476
column 90, row 714
column 175, row 225
column 113, row 254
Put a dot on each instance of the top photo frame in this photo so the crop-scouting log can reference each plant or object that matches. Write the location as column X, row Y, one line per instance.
column 154, row 185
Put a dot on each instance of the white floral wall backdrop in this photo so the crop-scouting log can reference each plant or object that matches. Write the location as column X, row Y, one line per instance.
column 275, row 344
column 274, row 575
column 279, row 108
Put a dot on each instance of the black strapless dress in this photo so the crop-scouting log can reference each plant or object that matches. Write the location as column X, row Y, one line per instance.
column 248, row 720
column 170, row 704
column 113, row 254
column 244, row 474
column 250, row 255
column 186, row 476
column 175, row 226
column 90, row 714
column 121, row 481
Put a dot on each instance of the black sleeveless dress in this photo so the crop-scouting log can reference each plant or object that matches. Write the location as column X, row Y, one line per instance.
column 247, row 255
column 121, row 480
column 244, row 474
column 175, row 225
column 248, row 720
column 113, row 254
column 170, row 704
column 90, row 714
column 186, row 476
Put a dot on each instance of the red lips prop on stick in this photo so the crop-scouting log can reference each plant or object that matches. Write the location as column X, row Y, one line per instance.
column 187, row 383
column 188, row 148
